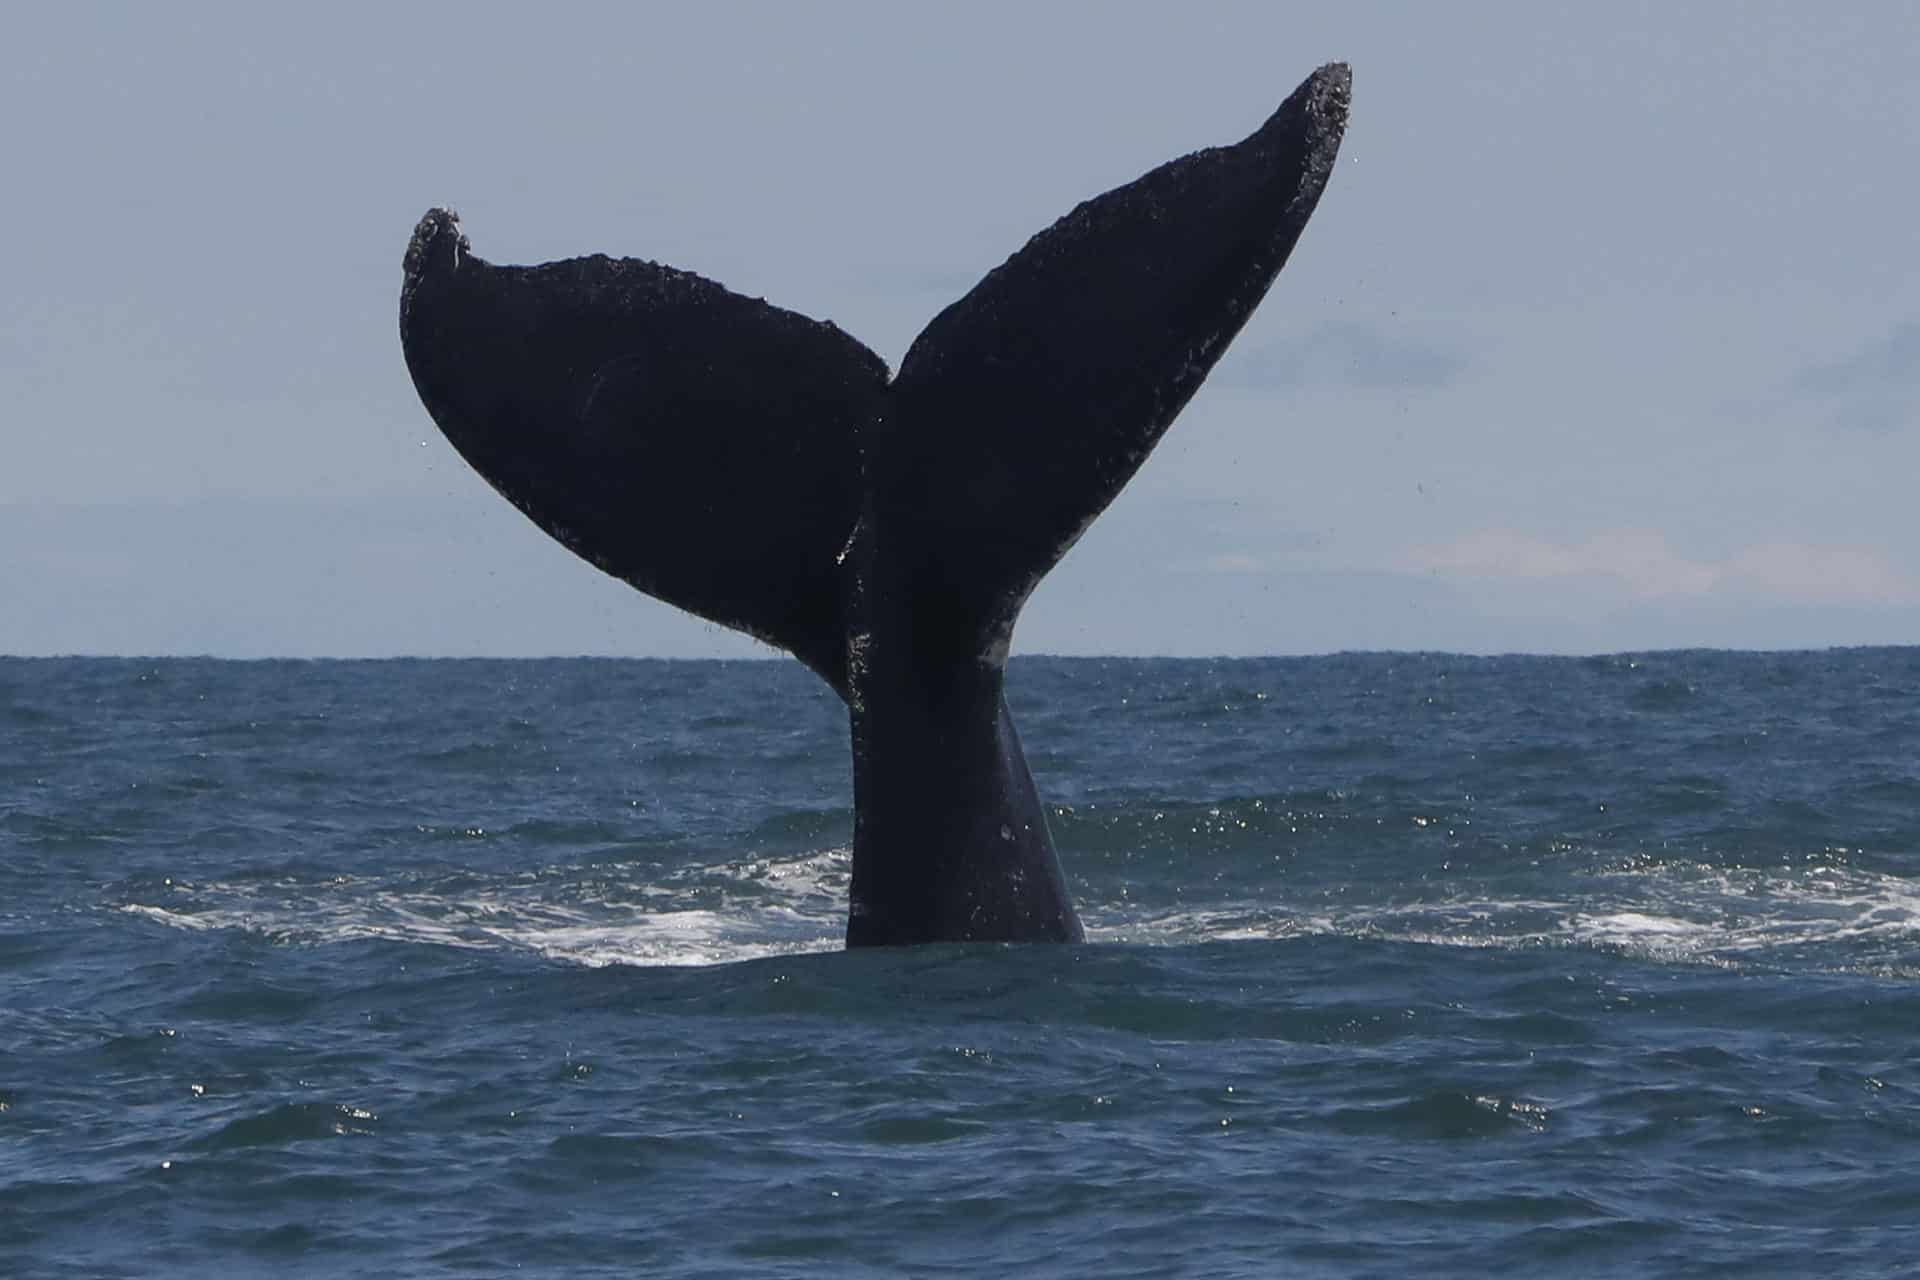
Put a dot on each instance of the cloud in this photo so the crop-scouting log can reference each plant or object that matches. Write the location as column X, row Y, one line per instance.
column 1233, row 562
column 1798, row 572
column 1876, row 389
column 1348, row 354
column 1644, row 564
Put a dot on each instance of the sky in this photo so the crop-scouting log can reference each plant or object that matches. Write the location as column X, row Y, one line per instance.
column 1606, row 334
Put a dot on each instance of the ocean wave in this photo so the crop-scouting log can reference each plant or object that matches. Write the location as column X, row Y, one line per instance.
column 698, row 915
column 1677, row 913
column 703, row 914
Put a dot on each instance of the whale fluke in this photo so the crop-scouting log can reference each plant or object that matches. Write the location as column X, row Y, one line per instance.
column 759, row 469
column 697, row 444
column 1048, row 384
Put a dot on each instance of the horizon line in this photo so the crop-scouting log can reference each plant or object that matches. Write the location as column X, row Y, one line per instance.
column 1051, row 657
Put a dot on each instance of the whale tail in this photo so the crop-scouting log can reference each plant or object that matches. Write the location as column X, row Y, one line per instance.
column 761, row 470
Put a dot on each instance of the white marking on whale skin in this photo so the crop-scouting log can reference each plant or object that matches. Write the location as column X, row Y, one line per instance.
column 858, row 643
column 846, row 548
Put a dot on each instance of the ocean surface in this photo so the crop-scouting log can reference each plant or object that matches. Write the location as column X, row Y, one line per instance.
column 1400, row 964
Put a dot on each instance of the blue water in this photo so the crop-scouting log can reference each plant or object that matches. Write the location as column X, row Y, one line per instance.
column 1426, row 964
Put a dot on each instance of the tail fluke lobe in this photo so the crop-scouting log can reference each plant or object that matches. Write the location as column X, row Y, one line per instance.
column 1024, row 407
column 700, row 445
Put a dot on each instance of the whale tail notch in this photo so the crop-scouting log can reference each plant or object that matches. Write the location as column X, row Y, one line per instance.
column 761, row 470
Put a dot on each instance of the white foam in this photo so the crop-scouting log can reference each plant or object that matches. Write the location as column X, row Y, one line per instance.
column 699, row 915
column 1684, row 912
column 706, row 914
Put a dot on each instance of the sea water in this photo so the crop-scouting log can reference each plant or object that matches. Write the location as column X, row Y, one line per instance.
column 1396, row 964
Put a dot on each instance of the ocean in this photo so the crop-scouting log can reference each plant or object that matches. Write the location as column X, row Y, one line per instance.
column 1398, row 963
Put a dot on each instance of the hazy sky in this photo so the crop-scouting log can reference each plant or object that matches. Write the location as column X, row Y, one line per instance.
column 1606, row 334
